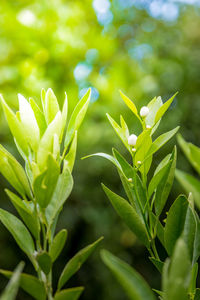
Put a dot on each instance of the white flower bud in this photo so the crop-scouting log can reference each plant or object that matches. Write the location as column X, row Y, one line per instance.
column 133, row 150
column 144, row 111
column 130, row 180
column 139, row 162
column 132, row 139
column 148, row 127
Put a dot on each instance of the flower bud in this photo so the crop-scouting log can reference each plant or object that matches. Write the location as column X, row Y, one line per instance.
column 139, row 162
column 148, row 127
column 144, row 111
column 133, row 150
column 130, row 180
column 132, row 139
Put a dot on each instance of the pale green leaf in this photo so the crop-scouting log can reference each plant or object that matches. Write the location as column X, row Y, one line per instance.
column 58, row 244
column 69, row 294
column 51, row 106
column 71, row 155
column 164, row 108
column 39, row 116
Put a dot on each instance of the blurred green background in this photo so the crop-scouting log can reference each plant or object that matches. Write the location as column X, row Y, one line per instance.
column 145, row 48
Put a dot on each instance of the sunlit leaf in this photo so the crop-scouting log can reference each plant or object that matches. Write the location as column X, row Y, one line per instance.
column 69, row 294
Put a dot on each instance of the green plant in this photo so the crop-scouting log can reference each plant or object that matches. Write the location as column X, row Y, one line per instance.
column 146, row 200
column 42, row 188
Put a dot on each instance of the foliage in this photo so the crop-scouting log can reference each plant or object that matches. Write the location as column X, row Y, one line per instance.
column 42, row 188
column 142, row 210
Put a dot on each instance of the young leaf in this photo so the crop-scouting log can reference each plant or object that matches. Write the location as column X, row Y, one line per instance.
column 124, row 127
column 69, row 294
column 70, row 157
column 164, row 108
column 58, row 244
column 107, row 156
column 128, row 214
column 190, row 184
column 76, row 262
column 77, row 117
column 64, row 116
column 153, row 107
column 119, row 131
column 46, row 143
column 16, row 127
column 126, row 168
column 134, row 285
column 130, row 105
column 25, row 213
column 61, row 192
column 39, row 116
column 161, row 141
column 51, row 106
column 144, row 143
column 29, row 284
column 11, row 289
column 13, row 172
column 157, row 263
column 29, row 123
column 44, row 261
column 175, row 222
column 44, row 184
column 18, row 231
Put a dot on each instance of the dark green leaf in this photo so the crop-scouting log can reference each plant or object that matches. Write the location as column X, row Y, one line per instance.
column 129, row 215
column 157, row 263
column 44, row 261
column 18, row 231
column 175, row 222
column 69, row 294
column 76, row 262
column 134, row 285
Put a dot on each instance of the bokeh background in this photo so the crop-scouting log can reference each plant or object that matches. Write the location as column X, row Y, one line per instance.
column 145, row 48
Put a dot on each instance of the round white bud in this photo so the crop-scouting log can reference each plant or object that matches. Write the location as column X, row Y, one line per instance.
column 139, row 162
column 144, row 111
column 148, row 127
column 130, row 180
column 132, row 139
column 133, row 150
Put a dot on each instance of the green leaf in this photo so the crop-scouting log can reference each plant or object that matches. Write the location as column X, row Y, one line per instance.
column 29, row 284
column 44, row 184
column 16, row 127
column 126, row 168
column 130, row 105
column 39, row 116
column 164, row 187
column 175, row 222
column 153, row 106
column 46, row 142
column 144, row 143
column 124, row 127
column 161, row 141
column 25, row 213
column 77, row 117
column 128, row 214
column 13, row 172
column 58, row 244
column 157, row 263
column 164, row 108
column 64, row 116
column 18, row 231
column 11, row 289
column 190, row 184
column 44, row 261
column 61, row 192
column 29, row 123
column 76, row 262
column 156, row 179
column 119, row 131
column 107, row 156
column 70, row 157
column 51, row 106
column 69, row 294
column 134, row 285
column 179, row 273
column 197, row 294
